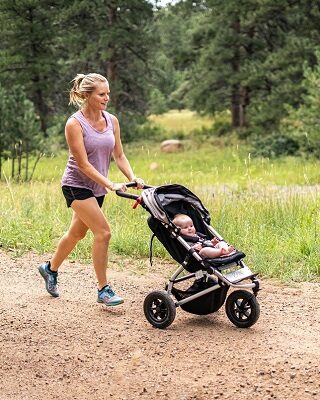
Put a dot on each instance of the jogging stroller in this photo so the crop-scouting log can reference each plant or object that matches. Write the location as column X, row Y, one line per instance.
column 211, row 278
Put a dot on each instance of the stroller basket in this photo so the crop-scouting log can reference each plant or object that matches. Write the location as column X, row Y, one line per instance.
column 207, row 303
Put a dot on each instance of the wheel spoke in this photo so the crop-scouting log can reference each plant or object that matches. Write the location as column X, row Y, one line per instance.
column 242, row 308
column 158, row 309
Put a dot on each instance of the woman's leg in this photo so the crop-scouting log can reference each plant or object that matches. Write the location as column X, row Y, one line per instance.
column 91, row 216
column 67, row 243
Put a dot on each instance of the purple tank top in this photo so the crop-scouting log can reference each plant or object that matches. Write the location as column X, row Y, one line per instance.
column 99, row 147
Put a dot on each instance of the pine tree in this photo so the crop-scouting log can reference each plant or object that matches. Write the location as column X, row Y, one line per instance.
column 28, row 52
column 112, row 38
column 250, row 57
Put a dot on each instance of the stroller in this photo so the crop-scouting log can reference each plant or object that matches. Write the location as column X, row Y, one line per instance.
column 211, row 278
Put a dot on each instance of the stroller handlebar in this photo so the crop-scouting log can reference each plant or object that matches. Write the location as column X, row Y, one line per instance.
column 131, row 195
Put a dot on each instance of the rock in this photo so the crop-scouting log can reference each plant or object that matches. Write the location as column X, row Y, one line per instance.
column 171, row 146
column 154, row 166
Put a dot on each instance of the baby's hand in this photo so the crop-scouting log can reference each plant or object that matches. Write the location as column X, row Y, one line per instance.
column 197, row 246
column 215, row 241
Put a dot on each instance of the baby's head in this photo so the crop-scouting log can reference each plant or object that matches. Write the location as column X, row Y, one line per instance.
column 185, row 223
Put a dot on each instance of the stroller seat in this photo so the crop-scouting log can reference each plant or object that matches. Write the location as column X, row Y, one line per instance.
column 221, row 261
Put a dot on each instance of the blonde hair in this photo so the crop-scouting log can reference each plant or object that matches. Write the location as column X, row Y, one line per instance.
column 180, row 219
column 82, row 85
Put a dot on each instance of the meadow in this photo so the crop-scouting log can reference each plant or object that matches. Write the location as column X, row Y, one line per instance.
column 269, row 209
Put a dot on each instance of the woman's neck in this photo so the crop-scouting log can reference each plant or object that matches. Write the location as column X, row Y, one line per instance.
column 90, row 114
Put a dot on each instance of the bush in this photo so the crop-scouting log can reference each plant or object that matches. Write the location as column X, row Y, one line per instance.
column 303, row 123
column 309, row 144
column 149, row 130
column 275, row 145
column 222, row 124
column 202, row 134
column 157, row 103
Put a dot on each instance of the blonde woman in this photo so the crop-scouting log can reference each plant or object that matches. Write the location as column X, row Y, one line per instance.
column 93, row 137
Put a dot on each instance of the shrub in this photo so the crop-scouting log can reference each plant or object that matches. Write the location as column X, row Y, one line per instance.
column 275, row 145
column 149, row 130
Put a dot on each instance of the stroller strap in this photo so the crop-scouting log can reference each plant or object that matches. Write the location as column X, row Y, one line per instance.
column 198, row 238
column 150, row 248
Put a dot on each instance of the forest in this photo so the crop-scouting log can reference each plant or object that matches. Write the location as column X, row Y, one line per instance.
column 253, row 65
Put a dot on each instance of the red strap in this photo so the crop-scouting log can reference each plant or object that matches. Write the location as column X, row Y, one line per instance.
column 137, row 202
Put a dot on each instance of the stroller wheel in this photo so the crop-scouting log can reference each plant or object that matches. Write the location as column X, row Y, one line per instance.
column 242, row 308
column 159, row 309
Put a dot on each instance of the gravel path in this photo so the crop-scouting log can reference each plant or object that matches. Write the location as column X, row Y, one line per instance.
column 73, row 348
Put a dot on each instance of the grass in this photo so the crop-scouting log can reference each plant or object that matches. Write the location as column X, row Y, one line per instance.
column 181, row 122
column 267, row 208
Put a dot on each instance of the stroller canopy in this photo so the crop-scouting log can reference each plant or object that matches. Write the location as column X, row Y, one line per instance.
column 161, row 200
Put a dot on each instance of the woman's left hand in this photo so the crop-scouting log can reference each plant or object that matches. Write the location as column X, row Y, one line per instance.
column 140, row 182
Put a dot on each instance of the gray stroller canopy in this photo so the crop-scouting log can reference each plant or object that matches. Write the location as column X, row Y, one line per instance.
column 157, row 198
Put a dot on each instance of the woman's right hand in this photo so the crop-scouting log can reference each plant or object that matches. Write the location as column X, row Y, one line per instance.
column 121, row 187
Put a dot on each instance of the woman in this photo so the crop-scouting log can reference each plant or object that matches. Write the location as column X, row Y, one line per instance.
column 93, row 137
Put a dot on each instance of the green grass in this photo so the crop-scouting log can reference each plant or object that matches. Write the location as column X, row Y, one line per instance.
column 182, row 122
column 200, row 166
column 269, row 210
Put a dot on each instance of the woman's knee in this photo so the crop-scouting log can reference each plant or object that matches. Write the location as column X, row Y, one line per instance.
column 103, row 235
column 76, row 235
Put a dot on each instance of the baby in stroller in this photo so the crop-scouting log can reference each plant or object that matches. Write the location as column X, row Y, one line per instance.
column 207, row 248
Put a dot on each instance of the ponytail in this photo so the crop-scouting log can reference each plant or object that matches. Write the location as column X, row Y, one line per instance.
column 75, row 96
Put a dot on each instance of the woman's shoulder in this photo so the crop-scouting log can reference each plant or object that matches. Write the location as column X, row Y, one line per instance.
column 113, row 121
column 113, row 118
column 73, row 121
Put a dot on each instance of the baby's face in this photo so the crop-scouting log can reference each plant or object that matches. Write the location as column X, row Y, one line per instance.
column 187, row 228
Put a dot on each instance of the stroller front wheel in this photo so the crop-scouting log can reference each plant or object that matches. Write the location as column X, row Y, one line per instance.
column 242, row 308
column 159, row 309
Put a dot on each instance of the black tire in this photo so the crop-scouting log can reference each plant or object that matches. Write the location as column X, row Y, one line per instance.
column 159, row 309
column 242, row 308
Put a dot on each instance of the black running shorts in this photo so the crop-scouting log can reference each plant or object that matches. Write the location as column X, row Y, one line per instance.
column 74, row 193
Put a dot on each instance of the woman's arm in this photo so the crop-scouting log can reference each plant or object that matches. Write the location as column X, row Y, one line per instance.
column 120, row 158
column 73, row 132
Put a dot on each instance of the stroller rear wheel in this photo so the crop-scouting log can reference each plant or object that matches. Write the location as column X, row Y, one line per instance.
column 242, row 308
column 159, row 309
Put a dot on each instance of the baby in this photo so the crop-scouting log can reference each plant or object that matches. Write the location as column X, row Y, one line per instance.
column 207, row 248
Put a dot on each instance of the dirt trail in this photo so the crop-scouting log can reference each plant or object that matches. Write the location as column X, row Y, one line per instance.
column 73, row 348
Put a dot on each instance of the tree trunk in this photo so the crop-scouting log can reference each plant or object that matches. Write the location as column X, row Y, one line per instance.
column 238, row 95
column 37, row 95
column 27, row 162
column 112, row 63
column 19, row 159
column 40, row 105
column 12, row 160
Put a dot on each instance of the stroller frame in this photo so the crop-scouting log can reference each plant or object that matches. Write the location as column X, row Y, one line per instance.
column 241, row 306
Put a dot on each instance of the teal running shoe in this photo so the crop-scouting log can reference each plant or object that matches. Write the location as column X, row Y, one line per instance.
column 108, row 297
column 50, row 278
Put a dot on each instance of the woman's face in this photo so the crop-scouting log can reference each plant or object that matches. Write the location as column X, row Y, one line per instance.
column 187, row 228
column 99, row 98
